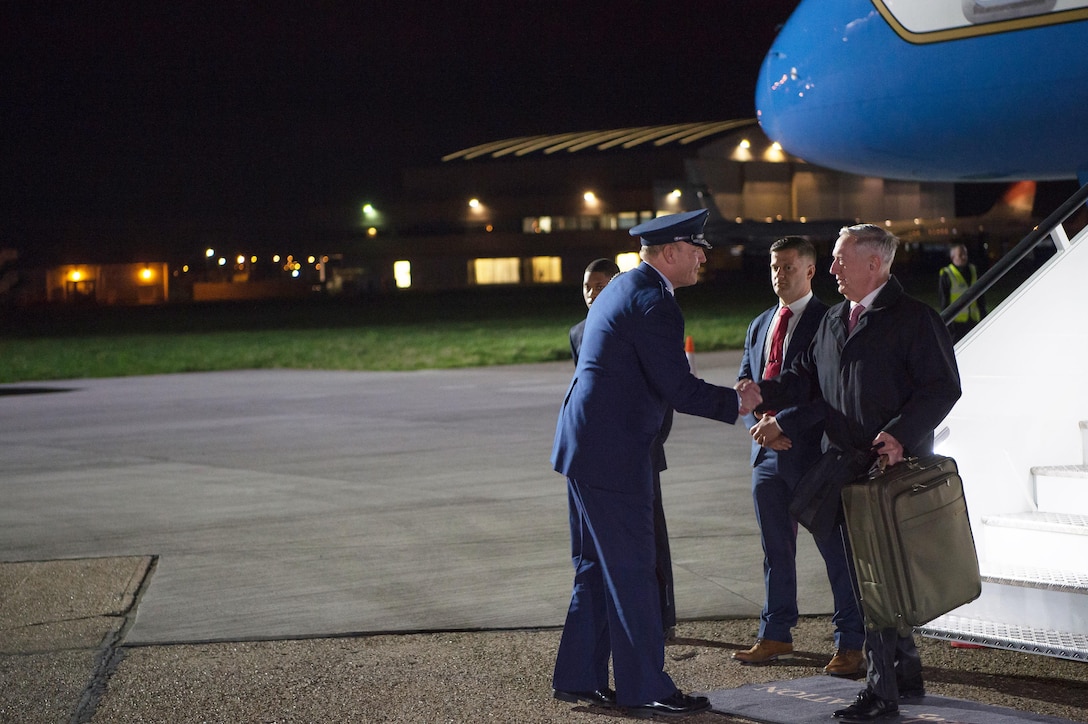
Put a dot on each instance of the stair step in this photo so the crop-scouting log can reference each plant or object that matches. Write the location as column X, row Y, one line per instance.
column 1046, row 642
column 1032, row 577
column 1057, row 599
column 1068, row 523
column 1061, row 488
column 1024, row 539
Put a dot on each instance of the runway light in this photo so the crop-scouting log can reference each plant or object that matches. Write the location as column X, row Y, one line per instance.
column 240, row 260
column 222, row 261
column 209, row 253
column 310, row 259
column 275, row 258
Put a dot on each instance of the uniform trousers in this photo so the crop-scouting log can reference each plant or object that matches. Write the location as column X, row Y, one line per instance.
column 615, row 608
column 778, row 534
column 663, row 564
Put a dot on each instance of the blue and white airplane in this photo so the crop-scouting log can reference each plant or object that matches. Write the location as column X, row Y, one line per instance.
column 935, row 90
column 977, row 90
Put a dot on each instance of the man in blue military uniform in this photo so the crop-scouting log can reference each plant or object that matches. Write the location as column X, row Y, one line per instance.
column 631, row 369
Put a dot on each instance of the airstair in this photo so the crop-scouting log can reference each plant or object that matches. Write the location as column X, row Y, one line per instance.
column 1020, row 436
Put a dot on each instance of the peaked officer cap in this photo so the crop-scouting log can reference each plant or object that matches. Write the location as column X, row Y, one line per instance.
column 686, row 226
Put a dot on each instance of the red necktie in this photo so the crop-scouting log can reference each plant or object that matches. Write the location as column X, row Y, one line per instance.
column 855, row 314
column 778, row 339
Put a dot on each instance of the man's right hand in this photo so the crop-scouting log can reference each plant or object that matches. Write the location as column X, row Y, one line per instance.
column 748, row 396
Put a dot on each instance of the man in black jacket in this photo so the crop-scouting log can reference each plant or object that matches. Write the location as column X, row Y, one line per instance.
column 880, row 372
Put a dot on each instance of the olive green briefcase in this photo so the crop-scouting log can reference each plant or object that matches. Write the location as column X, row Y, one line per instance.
column 914, row 554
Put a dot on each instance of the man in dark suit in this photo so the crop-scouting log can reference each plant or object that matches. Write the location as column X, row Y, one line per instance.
column 631, row 369
column 881, row 372
column 777, row 467
column 595, row 278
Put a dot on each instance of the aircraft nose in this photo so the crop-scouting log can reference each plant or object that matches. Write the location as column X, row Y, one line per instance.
column 772, row 97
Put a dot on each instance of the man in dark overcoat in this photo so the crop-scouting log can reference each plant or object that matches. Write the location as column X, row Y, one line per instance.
column 882, row 372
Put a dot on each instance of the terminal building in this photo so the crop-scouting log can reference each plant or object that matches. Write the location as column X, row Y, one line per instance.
column 535, row 210
column 528, row 211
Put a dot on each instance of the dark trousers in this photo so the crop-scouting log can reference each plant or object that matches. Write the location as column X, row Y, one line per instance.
column 615, row 607
column 663, row 566
column 778, row 534
column 893, row 661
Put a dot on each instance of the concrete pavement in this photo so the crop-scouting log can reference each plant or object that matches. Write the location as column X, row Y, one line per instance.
column 145, row 520
column 295, row 503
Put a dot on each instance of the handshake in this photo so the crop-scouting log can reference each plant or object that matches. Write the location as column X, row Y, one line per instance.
column 748, row 396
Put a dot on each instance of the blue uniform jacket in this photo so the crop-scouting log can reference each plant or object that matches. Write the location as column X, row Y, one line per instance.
column 631, row 369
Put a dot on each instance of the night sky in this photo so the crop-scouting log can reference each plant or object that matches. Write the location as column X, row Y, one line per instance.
column 151, row 112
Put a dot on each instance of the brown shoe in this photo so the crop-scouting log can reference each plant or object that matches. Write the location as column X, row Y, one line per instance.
column 846, row 662
column 764, row 651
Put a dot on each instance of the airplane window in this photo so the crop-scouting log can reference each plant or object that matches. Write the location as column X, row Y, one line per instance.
column 935, row 20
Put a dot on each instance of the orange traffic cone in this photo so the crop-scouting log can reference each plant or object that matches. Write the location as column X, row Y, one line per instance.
column 689, row 350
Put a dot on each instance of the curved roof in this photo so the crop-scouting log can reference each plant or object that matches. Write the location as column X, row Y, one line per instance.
column 625, row 138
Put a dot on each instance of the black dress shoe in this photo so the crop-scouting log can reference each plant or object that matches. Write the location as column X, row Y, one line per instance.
column 598, row 697
column 867, row 707
column 679, row 704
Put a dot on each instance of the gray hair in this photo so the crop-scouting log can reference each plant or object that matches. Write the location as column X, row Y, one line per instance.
column 875, row 238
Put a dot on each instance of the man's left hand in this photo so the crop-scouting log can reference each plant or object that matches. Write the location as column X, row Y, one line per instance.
column 889, row 448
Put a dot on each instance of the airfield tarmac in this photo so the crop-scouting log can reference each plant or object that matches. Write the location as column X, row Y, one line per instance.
column 166, row 534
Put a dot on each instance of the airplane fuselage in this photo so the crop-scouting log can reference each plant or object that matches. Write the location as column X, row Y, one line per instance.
column 936, row 90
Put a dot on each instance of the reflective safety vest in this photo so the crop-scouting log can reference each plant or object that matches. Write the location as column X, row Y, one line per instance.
column 957, row 287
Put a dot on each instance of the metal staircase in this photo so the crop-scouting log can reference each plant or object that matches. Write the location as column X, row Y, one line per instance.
column 1012, row 434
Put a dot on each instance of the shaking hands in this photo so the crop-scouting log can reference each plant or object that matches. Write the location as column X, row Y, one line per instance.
column 748, row 397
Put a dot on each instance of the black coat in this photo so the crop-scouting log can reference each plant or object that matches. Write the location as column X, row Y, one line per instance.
column 896, row 373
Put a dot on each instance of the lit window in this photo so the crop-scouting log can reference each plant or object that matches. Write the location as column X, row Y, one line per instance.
column 628, row 219
column 402, row 274
column 627, row 260
column 547, row 269
column 505, row 270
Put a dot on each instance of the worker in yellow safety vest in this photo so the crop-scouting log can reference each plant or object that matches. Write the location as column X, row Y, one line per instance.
column 953, row 283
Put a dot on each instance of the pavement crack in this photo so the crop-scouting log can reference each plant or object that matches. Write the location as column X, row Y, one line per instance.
column 110, row 655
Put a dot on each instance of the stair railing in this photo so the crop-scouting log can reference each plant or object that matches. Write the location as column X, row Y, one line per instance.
column 1051, row 226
